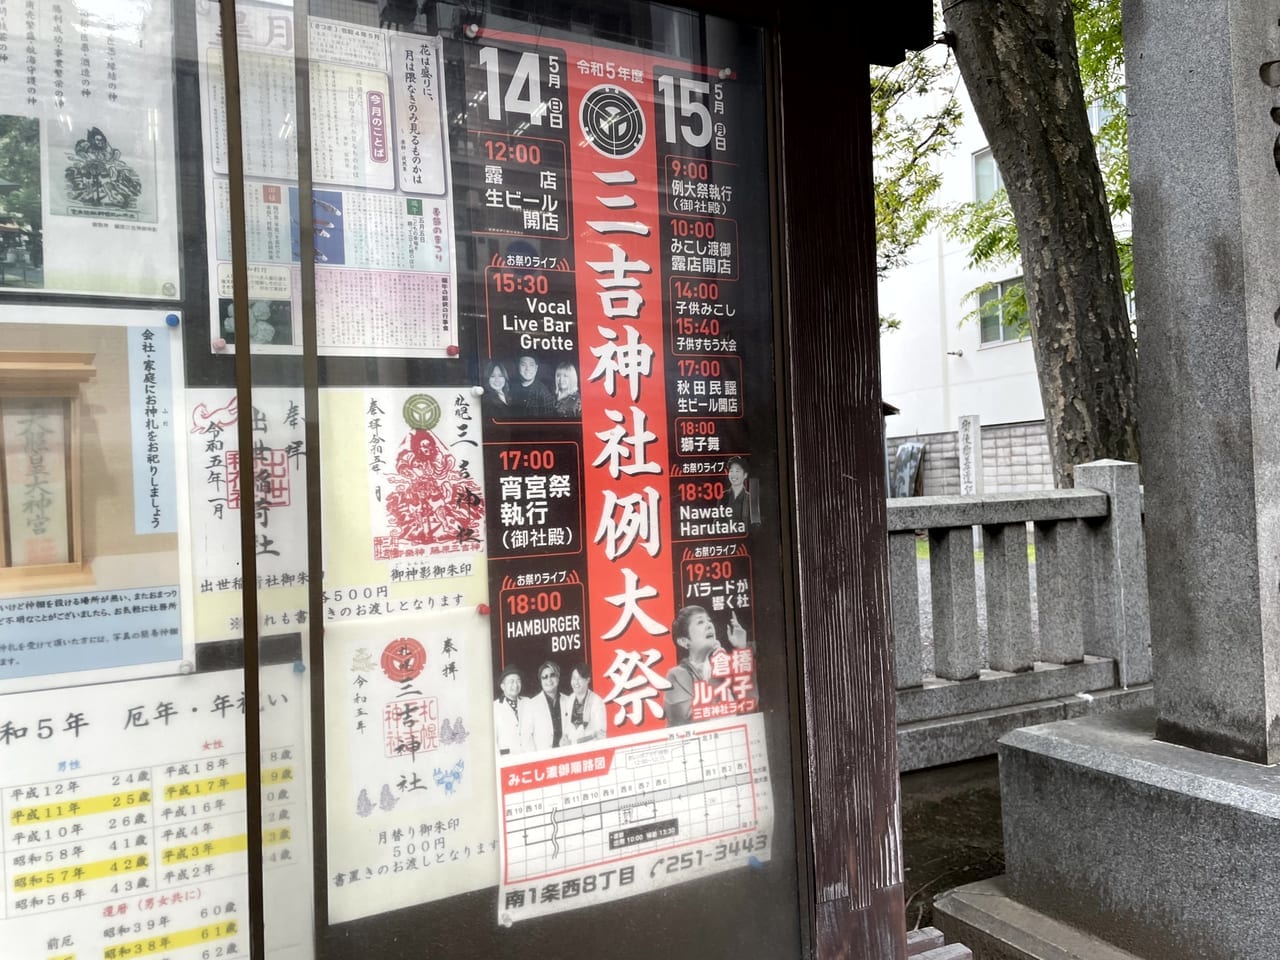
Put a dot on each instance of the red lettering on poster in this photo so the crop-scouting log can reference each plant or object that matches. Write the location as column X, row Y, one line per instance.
column 549, row 772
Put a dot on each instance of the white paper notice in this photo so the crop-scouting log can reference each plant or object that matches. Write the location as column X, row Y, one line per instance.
column 88, row 193
column 403, row 501
column 91, row 493
column 124, row 819
column 409, row 761
column 382, row 208
column 278, row 502
column 632, row 814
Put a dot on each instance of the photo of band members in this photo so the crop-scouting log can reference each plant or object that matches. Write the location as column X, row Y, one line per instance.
column 528, row 388
column 553, row 707
column 544, row 714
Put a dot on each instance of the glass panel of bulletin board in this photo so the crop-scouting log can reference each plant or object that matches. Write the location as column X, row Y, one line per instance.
column 442, row 359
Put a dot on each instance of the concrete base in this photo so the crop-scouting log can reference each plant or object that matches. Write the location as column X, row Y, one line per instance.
column 1160, row 850
column 965, row 736
column 996, row 927
column 938, row 699
column 927, row 944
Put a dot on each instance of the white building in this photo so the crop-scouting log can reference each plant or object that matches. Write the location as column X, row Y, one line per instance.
column 938, row 367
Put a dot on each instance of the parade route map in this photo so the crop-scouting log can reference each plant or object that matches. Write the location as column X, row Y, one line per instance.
column 644, row 811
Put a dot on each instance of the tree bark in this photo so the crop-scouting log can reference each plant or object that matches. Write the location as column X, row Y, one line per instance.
column 1018, row 60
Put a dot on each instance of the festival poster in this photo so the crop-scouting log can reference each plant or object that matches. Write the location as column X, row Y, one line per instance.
column 88, row 190
column 385, row 278
column 627, row 342
column 124, row 816
column 278, row 501
column 95, row 555
column 409, row 769
column 404, row 506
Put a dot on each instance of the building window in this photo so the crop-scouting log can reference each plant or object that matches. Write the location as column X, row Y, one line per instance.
column 992, row 313
column 1099, row 112
column 986, row 176
column 1098, row 115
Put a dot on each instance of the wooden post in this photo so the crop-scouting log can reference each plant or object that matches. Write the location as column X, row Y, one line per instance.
column 837, row 442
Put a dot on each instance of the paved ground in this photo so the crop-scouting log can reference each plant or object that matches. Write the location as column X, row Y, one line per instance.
column 950, row 830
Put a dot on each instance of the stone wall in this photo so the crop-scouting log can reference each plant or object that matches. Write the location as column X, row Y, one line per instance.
column 1015, row 457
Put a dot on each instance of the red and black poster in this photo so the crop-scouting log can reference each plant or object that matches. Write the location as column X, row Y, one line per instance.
column 630, row 463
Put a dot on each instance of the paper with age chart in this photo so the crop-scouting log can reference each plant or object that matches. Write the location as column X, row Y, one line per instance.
column 126, row 805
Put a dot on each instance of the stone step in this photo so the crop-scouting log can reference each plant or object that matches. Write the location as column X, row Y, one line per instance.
column 927, row 944
column 1001, row 928
column 952, row 951
column 931, row 743
column 993, row 690
column 918, row 941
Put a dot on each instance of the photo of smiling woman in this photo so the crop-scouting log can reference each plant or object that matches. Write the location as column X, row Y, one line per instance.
column 695, row 635
column 496, row 401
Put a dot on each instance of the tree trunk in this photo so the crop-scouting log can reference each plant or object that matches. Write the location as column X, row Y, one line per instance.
column 1018, row 61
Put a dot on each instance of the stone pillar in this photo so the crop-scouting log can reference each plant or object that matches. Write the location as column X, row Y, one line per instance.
column 1118, row 583
column 1010, row 643
column 957, row 653
column 969, row 443
column 904, row 604
column 1206, row 201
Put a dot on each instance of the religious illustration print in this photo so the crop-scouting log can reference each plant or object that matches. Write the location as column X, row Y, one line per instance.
column 88, row 184
column 405, row 500
column 97, row 176
column 101, row 173
column 426, row 500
